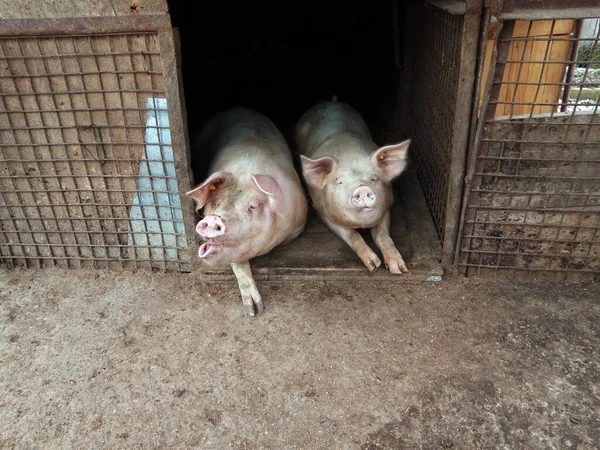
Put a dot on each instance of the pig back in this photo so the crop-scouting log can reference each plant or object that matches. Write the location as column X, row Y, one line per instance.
column 326, row 120
column 240, row 138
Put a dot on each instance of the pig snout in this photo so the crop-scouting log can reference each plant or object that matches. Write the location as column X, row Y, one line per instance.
column 210, row 227
column 364, row 197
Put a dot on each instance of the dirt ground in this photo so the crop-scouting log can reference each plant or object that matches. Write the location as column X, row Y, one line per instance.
column 97, row 359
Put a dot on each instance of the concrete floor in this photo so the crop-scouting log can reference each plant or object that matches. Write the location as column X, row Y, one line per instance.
column 95, row 359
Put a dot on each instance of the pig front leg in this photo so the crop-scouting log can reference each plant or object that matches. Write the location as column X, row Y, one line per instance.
column 250, row 295
column 356, row 243
column 391, row 256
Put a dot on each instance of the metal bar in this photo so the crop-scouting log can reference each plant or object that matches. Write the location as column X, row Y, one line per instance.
column 170, row 47
column 537, row 193
column 529, row 269
column 534, row 225
column 81, row 176
column 52, row 160
column 68, row 163
column 571, row 66
column 83, row 204
column 508, row 158
column 554, row 124
column 543, row 255
column 70, row 258
column 544, row 39
column 104, row 246
column 534, row 177
column 82, row 232
column 20, row 94
column 530, row 83
column 67, row 55
column 516, row 116
column 23, row 246
column 520, row 63
column 541, row 76
column 72, row 74
column 141, row 121
column 109, row 126
column 569, row 143
column 121, row 191
column 63, row 144
column 83, row 190
column 526, row 239
column 492, row 90
column 164, row 170
column 68, row 127
column 79, row 109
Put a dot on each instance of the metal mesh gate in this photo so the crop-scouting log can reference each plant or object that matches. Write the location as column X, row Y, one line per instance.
column 432, row 112
column 87, row 164
column 533, row 206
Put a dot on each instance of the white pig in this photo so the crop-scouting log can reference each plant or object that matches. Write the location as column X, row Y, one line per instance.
column 252, row 199
column 349, row 177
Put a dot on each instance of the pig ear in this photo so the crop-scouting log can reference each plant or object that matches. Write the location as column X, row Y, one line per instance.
column 391, row 159
column 315, row 171
column 270, row 186
column 201, row 193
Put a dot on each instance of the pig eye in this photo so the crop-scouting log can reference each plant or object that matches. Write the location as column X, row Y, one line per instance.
column 374, row 178
column 253, row 205
column 338, row 181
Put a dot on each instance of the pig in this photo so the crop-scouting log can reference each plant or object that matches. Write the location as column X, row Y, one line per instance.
column 252, row 199
column 348, row 178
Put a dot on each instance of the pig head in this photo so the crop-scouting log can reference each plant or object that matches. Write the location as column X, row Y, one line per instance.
column 239, row 213
column 353, row 189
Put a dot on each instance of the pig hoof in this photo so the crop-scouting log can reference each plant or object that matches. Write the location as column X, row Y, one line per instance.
column 253, row 304
column 373, row 263
column 397, row 266
column 259, row 305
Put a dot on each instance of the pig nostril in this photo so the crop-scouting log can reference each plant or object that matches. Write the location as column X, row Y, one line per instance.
column 203, row 225
column 218, row 227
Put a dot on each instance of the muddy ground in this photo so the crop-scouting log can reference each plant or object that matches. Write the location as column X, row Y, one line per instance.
column 148, row 360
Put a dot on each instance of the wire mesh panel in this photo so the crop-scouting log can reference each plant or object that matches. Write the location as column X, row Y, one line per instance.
column 87, row 171
column 437, row 62
column 534, row 202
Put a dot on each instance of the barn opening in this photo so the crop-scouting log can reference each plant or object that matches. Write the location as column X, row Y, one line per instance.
column 282, row 60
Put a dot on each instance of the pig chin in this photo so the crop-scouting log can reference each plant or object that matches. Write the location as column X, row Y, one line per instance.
column 211, row 252
column 221, row 254
column 209, row 249
column 352, row 217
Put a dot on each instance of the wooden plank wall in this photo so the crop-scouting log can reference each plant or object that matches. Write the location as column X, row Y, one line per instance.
column 538, row 83
column 59, row 9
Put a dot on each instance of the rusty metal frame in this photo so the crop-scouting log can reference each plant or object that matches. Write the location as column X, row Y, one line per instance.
column 170, row 57
column 478, row 155
column 471, row 36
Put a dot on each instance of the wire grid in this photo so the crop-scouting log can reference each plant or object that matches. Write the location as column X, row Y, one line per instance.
column 80, row 184
column 534, row 205
column 435, row 83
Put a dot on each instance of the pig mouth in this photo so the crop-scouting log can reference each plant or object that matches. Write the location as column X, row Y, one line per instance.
column 208, row 248
column 362, row 208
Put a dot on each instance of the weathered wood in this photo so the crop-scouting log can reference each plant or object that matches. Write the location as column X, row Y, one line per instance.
column 548, row 9
column 58, row 9
column 529, row 74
